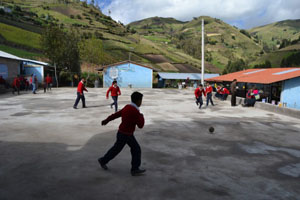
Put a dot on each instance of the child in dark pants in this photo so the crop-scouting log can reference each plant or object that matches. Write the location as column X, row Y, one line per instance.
column 198, row 94
column 131, row 117
column 115, row 92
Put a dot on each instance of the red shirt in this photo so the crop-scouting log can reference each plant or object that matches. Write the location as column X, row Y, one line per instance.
column 16, row 82
column 131, row 117
column 199, row 92
column 225, row 91
column 48, row 80
column 208, row 89
column 115, row 91
column 81, row 87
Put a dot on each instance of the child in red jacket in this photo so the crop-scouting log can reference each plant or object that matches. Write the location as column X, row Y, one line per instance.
column 208, row 92
column 198, row 94
column 80, row 95
column 115, row 92
column 131, row 117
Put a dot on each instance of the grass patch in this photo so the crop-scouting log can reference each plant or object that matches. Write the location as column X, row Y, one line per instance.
column 20, row 36
column 19, row 52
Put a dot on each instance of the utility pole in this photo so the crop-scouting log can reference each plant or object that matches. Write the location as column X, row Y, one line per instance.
column 202, row 58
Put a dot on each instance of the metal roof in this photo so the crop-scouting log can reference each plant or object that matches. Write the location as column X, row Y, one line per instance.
column 260, row 76
column 184, row 76
column 9, row 56
column 13, row 57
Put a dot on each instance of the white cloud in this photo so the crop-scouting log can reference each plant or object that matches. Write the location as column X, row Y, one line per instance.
column 246, row 13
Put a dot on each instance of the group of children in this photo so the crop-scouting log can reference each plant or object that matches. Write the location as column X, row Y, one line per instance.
column 131, row 117
column 207, row 92
column 222, row 92
column 22, row 83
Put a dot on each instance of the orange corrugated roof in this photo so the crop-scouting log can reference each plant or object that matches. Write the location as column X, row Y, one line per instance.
column 262, row 76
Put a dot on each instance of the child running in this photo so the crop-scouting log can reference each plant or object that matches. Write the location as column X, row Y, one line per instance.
column 115, row 92
column 131, row 117
column 208, row 92
column 198, row 94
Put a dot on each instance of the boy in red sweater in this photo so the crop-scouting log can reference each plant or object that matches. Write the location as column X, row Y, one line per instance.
column 80, row 94
column 16, row 85
column 115, row 92
column 208, row 92
column 131, row 117
column 198, row 94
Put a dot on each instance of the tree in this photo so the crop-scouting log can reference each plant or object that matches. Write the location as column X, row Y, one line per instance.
column 235, row 66
column 91, row 51
column 61, row 48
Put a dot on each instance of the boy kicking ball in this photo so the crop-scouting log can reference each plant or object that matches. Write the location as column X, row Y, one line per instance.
column 131, row 117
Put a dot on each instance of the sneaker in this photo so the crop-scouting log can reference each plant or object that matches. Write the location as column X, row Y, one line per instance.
column 197, row 103
column 111, row 106
column 102, row 165
column 74, row 107
column 138, row 172
column 84, row 107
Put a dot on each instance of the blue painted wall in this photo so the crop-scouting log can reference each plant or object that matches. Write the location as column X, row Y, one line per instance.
column 38, row 71
column 291, row 93
column 125, row 74
column 3, row 71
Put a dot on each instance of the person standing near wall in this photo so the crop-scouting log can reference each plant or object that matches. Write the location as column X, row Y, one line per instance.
column 115, row 92
column 208, row 92
column 34, row 83
column 80, row 94
column 48, row 81
column 16, row 85
column 233, row 92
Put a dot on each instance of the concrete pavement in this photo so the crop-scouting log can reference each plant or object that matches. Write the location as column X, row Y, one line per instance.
column 48, row 150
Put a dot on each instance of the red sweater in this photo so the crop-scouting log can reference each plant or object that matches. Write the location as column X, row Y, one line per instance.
column 16, row 82
column 81, row 87
column 130, row 117
column 115, row 91
column 208, row 90
column 199, row 92
column 225, row 91
column 48, row 80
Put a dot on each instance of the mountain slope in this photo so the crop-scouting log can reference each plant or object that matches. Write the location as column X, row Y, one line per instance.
column 223, row 42
column 272, row 35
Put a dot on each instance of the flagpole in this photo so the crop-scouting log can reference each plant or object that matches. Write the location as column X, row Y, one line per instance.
column 202, row 51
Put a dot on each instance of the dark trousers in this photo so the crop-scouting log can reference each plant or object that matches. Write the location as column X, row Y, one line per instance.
column 209, row 98
column 78, row 99
column 200, row 101
column 122, row 140
column 115, row 98
column 233, row 99
column 224, row 97
column 16, row 89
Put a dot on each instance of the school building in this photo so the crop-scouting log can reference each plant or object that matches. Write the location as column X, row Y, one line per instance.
column 11, row 66
column 276, row 85
column 128, row 74
column 173, row 79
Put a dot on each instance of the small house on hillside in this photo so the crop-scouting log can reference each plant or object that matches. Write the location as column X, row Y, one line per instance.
column 276, row 84
column 128, row 74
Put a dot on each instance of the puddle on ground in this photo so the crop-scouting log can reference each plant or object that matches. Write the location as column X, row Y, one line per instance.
column 291, row 170
column 21, row 114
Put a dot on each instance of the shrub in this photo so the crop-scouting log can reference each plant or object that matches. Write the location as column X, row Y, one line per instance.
column 79, row 16
column 72, row 16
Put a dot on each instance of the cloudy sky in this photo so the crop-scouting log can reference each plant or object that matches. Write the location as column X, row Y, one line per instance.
column 240, row 13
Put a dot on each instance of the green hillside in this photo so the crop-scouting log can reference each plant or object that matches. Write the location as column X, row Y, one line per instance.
column 164, row 43
column 223, row 42
column 272, row 35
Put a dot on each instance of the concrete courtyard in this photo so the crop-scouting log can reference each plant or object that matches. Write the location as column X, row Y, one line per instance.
column 48, row 150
